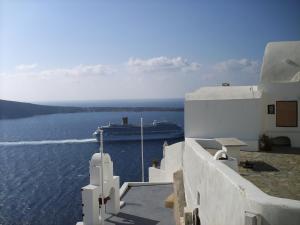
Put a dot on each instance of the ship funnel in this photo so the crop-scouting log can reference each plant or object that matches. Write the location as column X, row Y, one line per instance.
column 125, row 120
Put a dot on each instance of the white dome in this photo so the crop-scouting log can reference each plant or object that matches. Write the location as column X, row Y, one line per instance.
column 96, row 159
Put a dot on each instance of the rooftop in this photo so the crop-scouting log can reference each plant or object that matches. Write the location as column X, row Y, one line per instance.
column 230, row 142
column 144, row 204
column 224, row 92
column 276, row 172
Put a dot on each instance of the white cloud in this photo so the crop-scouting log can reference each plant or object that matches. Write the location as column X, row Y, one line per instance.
column 25, row 67
column 80, row 70
column 162, row 63
column 173, row 78
column 237, row 65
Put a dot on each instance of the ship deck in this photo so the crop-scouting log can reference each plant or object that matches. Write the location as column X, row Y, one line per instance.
column 276, row 172
column 144, row 204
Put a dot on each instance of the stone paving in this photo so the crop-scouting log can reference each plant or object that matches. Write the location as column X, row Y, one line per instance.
column 276, row 172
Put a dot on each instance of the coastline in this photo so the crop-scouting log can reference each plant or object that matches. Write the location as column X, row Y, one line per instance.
column 16, row 110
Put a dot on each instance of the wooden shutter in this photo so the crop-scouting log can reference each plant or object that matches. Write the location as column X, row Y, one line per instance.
column 286, row 114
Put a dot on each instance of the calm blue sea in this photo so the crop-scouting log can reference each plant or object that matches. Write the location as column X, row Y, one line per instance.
column 43, row 168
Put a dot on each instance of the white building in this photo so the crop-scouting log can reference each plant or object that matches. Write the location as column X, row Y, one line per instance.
column 224, row 111
column 280, row 86
column 242, row 111
column 213, row 115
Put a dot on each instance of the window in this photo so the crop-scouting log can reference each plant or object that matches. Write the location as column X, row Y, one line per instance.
column 271, row 109
column 198, row 198
column 286, row 114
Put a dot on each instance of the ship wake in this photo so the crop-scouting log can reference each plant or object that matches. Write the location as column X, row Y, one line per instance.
column 47, row 142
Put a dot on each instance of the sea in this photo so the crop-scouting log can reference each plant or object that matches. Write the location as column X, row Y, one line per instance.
column 44, row 160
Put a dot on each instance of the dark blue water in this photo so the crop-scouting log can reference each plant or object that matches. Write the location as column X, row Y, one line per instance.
column 40, row 183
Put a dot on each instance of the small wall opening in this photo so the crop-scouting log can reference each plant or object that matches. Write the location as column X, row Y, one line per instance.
column 198, row 198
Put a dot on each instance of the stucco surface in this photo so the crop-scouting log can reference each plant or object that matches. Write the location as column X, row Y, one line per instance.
column 171, row 162
column 225, row 196
column 224, row 92
column 280, row 92
column 240, row 118
column 281, row 62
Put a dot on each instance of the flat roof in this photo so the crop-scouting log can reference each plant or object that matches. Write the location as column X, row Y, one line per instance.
column 276, row 172
column 230, row 142
column 144, row 204
column 224, row 93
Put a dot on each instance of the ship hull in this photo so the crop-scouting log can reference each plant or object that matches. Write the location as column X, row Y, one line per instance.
column 136, row 137
column 130, row 132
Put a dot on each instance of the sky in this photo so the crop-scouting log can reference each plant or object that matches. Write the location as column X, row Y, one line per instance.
column 135, row 49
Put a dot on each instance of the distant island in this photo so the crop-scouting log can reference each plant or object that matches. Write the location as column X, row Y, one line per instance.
column 13, row 110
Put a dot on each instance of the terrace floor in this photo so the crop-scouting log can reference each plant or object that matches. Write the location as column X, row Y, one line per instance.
column 144, row 205
column 276, row 172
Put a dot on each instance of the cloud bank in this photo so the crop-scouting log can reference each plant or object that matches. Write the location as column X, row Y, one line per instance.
column 157, row 77
column 162, row 64
column 80, row 70
column 25, row 67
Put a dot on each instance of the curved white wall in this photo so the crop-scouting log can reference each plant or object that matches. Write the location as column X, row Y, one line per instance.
column 225, row 196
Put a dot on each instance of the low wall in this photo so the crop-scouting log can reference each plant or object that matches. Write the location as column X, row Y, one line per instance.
column 171, row 162
column 224, row 197
column 158, row 175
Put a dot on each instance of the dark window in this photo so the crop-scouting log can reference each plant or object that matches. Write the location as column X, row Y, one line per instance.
column 286, row 114
column 271, row 109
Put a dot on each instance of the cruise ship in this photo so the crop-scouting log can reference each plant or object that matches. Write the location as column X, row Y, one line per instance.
column 132, row 132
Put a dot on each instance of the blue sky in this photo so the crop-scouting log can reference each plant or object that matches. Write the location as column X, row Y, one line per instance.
column 77, row 50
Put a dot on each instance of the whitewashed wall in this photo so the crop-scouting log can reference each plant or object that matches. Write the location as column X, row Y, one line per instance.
column 280, row 80
column 225, row 196
column 281, row 92
column 240, row 118
column 171, row 162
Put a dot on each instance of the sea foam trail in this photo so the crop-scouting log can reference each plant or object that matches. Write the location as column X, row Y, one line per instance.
column 47, row 142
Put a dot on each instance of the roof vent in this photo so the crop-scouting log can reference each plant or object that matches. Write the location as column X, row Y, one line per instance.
column 225, row 84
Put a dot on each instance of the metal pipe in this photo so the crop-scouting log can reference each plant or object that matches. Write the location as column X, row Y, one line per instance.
column 142, row 149
column 102, row 177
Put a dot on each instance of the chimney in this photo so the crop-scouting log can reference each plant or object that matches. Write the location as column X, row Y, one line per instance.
column 125, row 120
column 225, row 84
